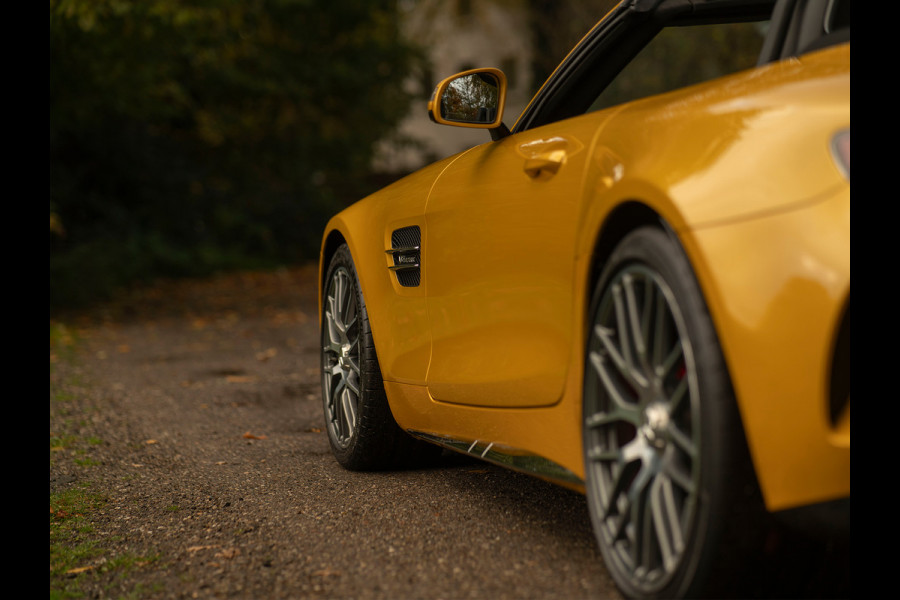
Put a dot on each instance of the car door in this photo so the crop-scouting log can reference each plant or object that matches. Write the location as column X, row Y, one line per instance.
column 498, row 259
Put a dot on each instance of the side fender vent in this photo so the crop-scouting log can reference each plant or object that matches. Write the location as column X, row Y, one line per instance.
column 405, row 250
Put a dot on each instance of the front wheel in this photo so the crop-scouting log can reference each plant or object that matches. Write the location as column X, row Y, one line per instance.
column 665, row 457
column 361, row 429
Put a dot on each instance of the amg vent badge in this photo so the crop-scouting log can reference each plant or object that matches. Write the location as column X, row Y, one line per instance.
column 405, row 250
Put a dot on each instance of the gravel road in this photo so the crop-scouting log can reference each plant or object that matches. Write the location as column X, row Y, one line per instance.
column 202, row 402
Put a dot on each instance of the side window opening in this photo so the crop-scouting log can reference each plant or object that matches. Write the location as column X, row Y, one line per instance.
column 680, row 56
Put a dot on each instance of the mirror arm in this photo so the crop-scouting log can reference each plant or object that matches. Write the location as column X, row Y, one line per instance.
column 499, row 132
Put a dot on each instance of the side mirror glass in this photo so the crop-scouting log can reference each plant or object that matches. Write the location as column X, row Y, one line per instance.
column 470, row 99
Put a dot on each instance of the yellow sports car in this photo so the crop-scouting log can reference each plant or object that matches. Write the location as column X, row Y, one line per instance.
column 640, row 290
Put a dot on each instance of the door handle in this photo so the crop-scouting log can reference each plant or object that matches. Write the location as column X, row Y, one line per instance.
column 545, row 162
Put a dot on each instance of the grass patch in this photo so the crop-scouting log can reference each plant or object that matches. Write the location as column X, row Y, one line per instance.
column 70, row 512
column 67, row 413
column 63, row 343
column 83, row 561
column 62, row 441
column 67, row 446
column 77, row 558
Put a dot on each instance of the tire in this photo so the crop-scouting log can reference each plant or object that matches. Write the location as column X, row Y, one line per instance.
column 361, row 429
column 671, row 491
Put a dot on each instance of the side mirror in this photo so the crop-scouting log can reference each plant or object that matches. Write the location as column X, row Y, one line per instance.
column 472, row 98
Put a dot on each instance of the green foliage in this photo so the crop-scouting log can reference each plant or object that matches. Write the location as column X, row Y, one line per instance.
column 191, row 136
column 69, row 547
column 63, row 342
column 76, row 557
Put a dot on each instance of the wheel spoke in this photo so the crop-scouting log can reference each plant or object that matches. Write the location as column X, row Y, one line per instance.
column 348, row 410
column 682, row 441
column 623, row 356
column 624, row 407
column 333, row 329
column 354, row 366
column 339, row 299
column 600, row 454
column 620, row 525
column 641, row 521
column 672, row 359
column 660, row 330
column 636, row 319
column 678, row 395
column 618, row 488
column 326, row 389
column 666, row 521
column 352, row 386
column 679, row 478
column 336, row 405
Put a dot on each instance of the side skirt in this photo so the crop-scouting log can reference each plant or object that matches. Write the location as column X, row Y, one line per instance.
column 511, row 458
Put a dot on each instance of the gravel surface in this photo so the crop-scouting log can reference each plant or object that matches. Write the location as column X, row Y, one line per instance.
column 204, row 405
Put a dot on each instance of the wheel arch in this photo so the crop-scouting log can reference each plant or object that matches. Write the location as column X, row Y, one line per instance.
column 333, row 240
column 622, row 220
column 330, row 243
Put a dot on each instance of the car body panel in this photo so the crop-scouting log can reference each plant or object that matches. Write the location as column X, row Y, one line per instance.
column 729, row 180
column 770, row 313
column 725, row 165
column 397, row 314
column 500, row 297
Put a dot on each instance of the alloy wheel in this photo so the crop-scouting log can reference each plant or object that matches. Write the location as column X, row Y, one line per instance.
column 642, row 429
column 341, row 357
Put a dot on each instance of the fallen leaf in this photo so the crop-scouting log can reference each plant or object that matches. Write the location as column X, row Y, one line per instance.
column 78, row 570
column 250, row 436
column 123, row 348
column 266, row 354
column 228, row 553
column 151, row 442
column 327, row 573
column 314, row 430
column 198, row 548
column 240, row 378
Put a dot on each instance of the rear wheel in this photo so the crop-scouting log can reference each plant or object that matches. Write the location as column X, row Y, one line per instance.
column 665, row 458
column 361, row 429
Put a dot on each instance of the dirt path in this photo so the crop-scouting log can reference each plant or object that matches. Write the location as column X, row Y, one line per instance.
column 194, row 411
